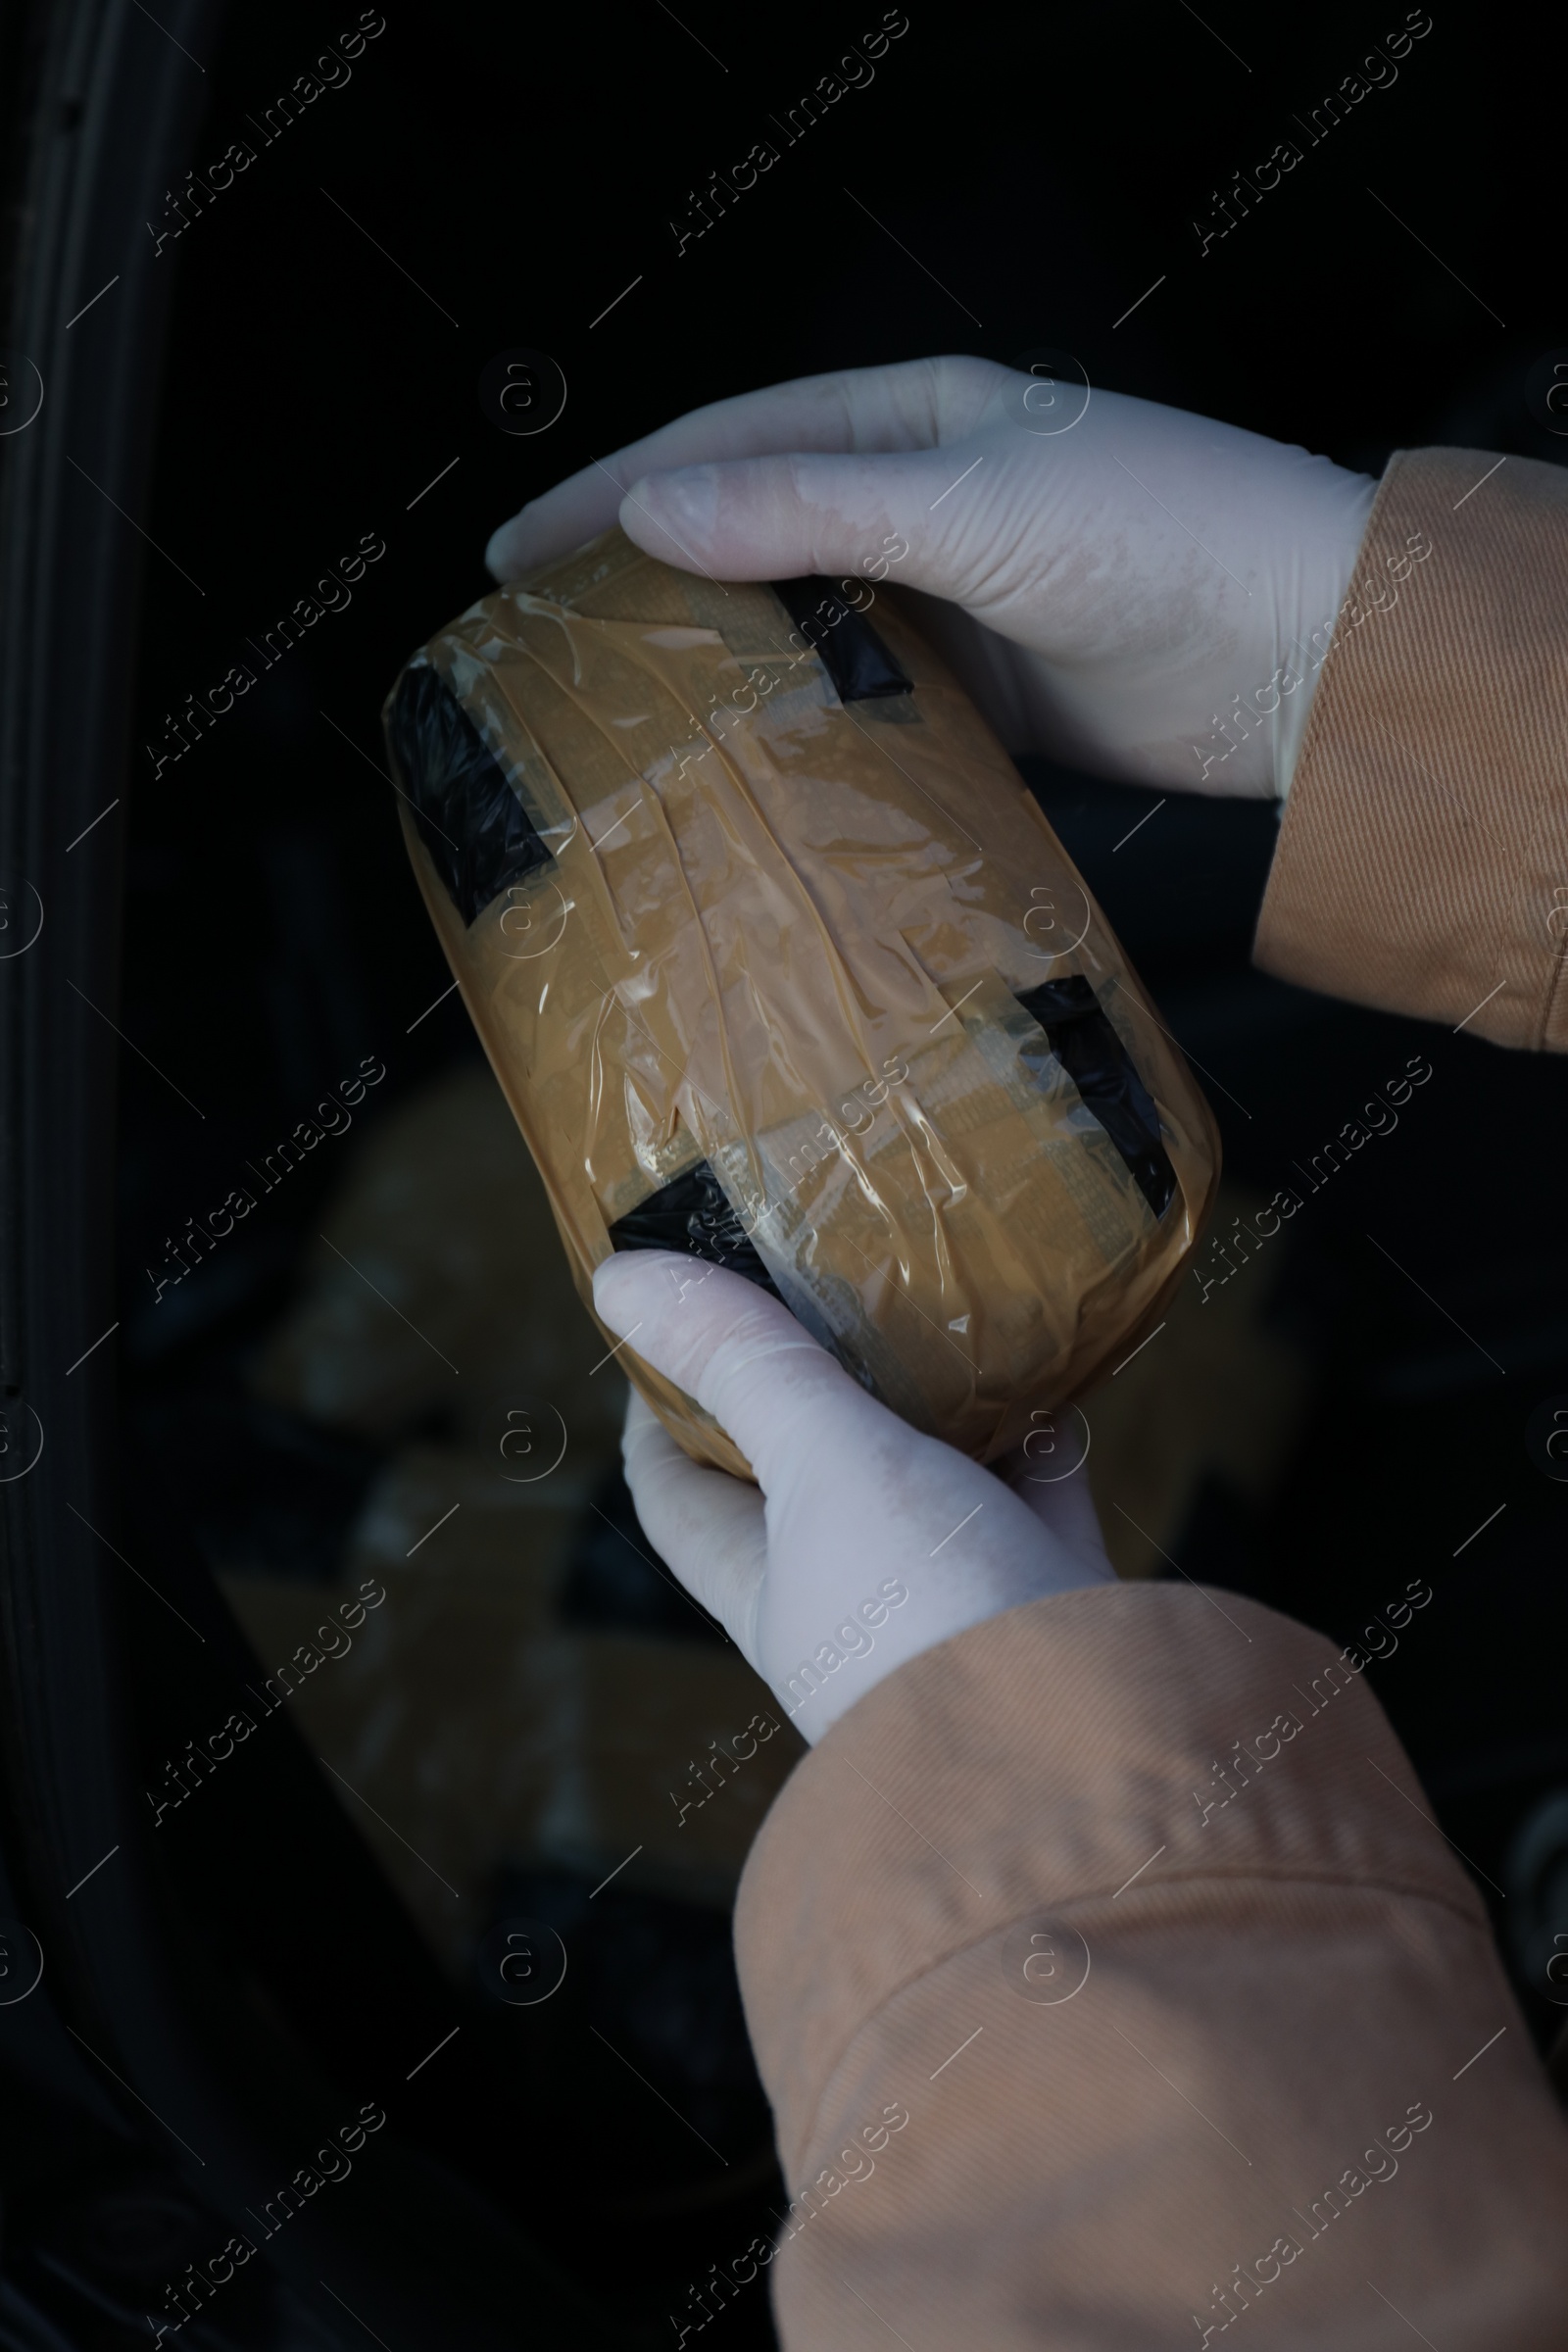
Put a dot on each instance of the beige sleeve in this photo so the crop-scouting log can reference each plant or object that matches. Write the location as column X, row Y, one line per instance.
column 1114, row 1989
column 1422, row 857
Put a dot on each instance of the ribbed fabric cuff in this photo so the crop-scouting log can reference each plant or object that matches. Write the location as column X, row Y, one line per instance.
column 1422, row 857
column 1037, row 1760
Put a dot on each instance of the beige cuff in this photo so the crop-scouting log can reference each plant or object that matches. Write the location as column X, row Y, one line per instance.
column 1038, row 1759
column 1422, row 857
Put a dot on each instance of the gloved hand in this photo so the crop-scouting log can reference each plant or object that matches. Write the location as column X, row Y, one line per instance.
column 1144, row 594
column 867, row 1541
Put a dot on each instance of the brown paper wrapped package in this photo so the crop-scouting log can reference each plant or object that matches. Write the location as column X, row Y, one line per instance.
column 730, row 899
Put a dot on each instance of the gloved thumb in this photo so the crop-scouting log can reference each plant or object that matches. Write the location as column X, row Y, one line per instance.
column 739, row 1352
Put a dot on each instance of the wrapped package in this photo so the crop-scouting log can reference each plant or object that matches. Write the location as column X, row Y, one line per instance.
column 778, row 963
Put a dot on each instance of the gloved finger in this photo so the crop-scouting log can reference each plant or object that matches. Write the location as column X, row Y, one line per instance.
column 780, row 517
column 746, row 1361
column 707, row 1525
column 911, row 406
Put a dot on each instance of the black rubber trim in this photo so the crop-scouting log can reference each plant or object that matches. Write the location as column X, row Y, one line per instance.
column 190, row 2060
column 1092, row 1053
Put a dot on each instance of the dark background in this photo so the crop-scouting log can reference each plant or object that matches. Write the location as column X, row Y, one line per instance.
column 519, row 170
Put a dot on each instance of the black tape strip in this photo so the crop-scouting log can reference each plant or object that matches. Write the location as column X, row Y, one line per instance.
column 852, row 652
column 691, row 1213
column 471, row 819
column 1092, row 1053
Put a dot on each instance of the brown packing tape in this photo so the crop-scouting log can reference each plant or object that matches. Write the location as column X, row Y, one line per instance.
column 788, row 935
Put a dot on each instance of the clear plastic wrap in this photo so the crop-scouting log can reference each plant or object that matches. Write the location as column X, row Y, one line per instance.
column 778, row 962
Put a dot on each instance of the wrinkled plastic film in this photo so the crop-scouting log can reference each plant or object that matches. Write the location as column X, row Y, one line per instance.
column 778, row 963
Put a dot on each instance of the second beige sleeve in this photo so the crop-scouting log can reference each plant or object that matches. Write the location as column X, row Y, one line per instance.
column 1422, row 857
column 1100, row 2007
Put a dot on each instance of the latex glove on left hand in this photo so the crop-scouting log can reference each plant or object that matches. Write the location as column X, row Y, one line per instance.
column 1130, row 590
column 852, row 1507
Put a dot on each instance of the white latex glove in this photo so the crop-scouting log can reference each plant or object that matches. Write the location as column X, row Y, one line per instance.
column 867, row 1541
column 1146, row 595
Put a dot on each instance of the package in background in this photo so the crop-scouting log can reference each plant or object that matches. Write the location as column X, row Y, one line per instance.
column 778, row 963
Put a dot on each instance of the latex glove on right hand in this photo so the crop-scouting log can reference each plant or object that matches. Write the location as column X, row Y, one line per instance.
column 867, row 1541
column 1136, row 591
